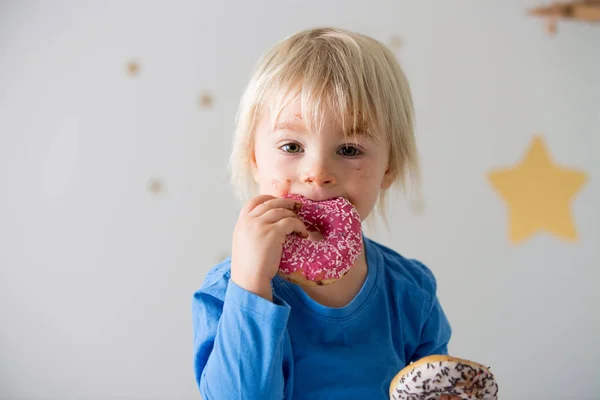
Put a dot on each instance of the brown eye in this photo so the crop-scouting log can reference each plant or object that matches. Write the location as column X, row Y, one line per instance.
column 291, row 148
column 349, row 151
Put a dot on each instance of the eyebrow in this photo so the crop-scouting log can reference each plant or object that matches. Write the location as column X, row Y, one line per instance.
column 357, row 131
column 290, row 124
column 297, row 125
column 286, row 125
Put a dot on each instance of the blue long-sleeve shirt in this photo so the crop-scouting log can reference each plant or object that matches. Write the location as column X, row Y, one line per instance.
column 247, row 347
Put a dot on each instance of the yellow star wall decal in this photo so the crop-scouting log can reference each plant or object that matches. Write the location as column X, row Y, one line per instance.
column 538, row 194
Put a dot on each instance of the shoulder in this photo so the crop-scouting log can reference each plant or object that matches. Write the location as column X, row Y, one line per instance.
column 216, row 280
column 399, row 270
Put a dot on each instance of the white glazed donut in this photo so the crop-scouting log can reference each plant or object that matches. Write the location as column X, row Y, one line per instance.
column 433, row 376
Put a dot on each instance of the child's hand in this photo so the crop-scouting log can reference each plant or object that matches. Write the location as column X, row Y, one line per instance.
column 258, row 239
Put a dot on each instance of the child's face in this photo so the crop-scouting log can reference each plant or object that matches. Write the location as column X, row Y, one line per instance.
column 291, row 159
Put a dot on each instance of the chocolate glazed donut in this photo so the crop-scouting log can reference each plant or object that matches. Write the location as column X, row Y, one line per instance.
column 433, row 376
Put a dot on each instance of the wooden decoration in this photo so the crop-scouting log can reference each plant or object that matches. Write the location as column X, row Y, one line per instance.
column 577, row 10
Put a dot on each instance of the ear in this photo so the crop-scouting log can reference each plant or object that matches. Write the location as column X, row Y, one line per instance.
column 388, row 179
column 253, row 166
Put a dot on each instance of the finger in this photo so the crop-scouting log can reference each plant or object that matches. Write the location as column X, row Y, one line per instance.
column 275, row 214
column 289, row 225
column 276, row 202
column 255, row 201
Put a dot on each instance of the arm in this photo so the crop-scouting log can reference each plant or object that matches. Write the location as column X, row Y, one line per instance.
column 435, row 334
column 241, row 345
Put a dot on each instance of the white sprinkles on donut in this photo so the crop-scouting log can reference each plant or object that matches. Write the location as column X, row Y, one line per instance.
column 332, row 257
column 433, row 376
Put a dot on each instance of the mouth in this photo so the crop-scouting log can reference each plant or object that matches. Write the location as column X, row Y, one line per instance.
column 314, row 199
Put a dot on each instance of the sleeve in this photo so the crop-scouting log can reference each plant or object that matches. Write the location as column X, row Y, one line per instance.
column 435, row 334
column 241, row 345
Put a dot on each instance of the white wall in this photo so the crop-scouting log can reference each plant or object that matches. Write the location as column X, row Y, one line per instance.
column 97, row 273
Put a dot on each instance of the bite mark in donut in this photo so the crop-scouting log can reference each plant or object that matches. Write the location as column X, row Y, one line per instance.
column 321, row 262
column 433, row 376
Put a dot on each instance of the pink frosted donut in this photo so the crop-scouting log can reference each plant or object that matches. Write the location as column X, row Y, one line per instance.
column 308, row 262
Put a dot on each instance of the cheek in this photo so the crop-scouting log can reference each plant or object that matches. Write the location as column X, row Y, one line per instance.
column 280, row 187
column 366, row 185
column 274, row 175
column 365, row 176
column 271, row 172
column 362, row 174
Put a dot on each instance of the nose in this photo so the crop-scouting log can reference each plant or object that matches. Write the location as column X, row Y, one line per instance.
column 319, row 174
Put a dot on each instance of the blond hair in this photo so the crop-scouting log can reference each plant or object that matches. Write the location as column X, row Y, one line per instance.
column 330, row 70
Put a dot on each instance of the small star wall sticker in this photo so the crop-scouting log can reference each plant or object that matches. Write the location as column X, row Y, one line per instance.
column 395, row 42
column 206, row 100
column 538, row 193
column 133, row 67
column 156, row 186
